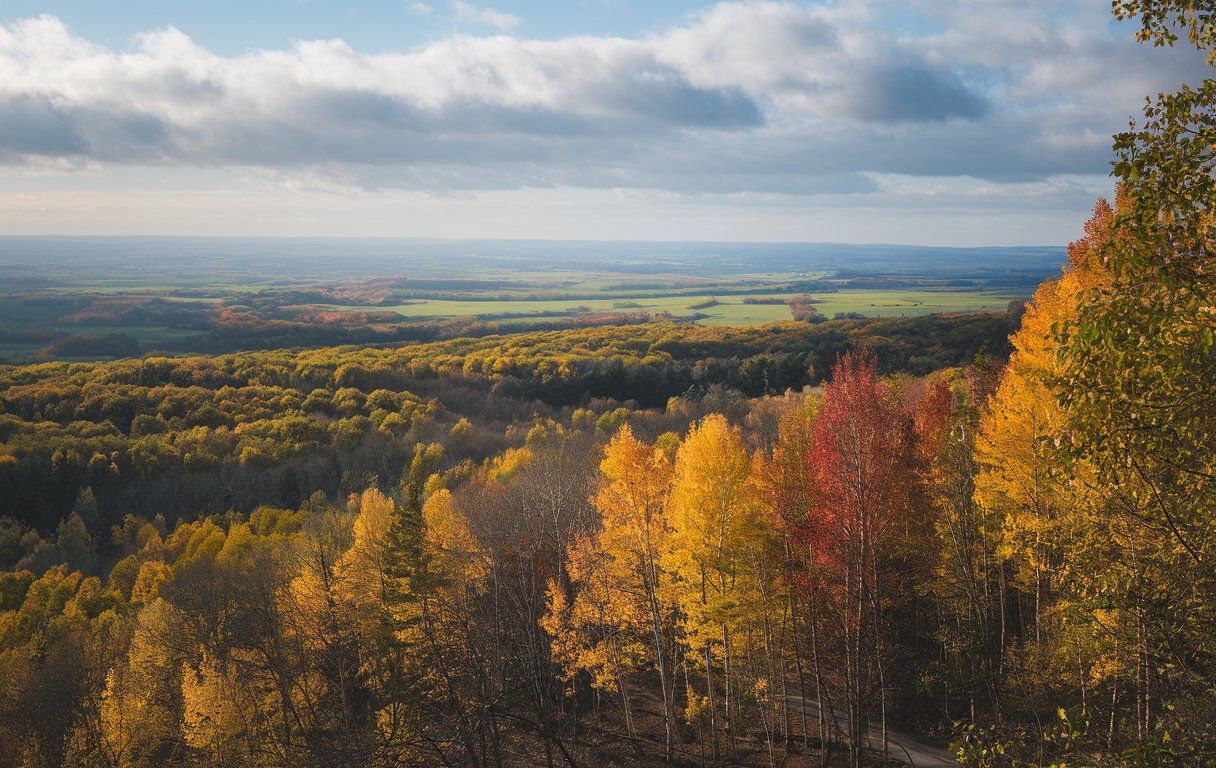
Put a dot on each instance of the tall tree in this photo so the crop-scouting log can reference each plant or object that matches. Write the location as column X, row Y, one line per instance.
column 786, row 483
column 716, row 522
column 620, row 582
column 970, row 583
column 864, row 530
column 1138, row 361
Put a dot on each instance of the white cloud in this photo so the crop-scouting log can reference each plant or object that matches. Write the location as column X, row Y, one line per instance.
column 488, row 16
column 420, row 9
column 761, row 98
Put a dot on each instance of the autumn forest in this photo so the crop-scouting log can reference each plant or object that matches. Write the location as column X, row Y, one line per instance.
column 966, row 538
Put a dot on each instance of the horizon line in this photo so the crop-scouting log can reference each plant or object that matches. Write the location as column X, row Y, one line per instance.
column 418, row 239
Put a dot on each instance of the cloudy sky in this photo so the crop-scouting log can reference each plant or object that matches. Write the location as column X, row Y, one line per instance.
column 941, row 122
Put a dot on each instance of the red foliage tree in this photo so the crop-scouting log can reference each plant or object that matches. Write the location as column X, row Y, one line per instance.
column 863, row 530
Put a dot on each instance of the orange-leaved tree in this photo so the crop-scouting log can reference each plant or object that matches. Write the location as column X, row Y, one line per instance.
column 863, row 530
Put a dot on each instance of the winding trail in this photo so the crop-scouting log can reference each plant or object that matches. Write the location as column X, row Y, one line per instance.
column 906, row 749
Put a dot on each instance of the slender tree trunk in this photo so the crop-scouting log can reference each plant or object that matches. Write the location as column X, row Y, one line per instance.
column 665, row 686
column 882, row 698
column 858, row 719
column 1004, row 625
column 728, row 714
column 876, row 601
column 820, row 693
column 624, row 692
column 709, row 693
column 1114, row 703
column 782, row 669
column 1038, row 602
column 806, row 736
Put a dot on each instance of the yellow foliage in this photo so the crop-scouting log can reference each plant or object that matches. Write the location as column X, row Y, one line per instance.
column 1045, row 502
column 195, row 542
column 152, row 575
column 212, row 721
column 363, row 569
column 137, row 712
column 718, row 529
column 632, row 501
column 456, row 555
column 511, row 461
column 1019, row 475
column 608, row 629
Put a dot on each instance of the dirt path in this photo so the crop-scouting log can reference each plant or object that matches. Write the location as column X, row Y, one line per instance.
column 901, row 747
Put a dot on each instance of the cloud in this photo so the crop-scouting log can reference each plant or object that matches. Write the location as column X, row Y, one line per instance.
column 420, row 9
column 758, row 97
column 893, row 92
column 488, row 16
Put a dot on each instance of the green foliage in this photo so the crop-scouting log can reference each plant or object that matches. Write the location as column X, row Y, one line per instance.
column 1160, row 20
column 1138, row 361
column 978, row 747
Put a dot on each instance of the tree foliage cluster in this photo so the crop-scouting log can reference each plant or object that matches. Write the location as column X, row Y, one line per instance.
column 171, row 435
column 769, row 580
column 488, row 614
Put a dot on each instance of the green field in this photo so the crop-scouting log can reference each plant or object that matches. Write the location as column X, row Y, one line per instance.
column 19, row 310
column 146, row 334
column 896, row 303
column 730, row 310
column 177, row 305
column 18, row 354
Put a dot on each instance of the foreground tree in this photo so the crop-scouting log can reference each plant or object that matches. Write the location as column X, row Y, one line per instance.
column 621, row 616
column 971, row 581
column 1138, row 361
column 787, row 483
column 864, row 533
column 718, row 526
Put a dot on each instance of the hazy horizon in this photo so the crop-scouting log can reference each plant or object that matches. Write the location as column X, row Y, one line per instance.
column 8, row 237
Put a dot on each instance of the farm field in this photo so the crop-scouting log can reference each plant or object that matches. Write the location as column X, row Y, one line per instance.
column 67, row 299
column 729, row 310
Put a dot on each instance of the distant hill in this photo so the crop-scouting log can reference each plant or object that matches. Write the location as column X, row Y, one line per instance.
column 327, row 257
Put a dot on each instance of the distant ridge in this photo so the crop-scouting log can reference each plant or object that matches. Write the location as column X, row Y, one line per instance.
column 311, row 256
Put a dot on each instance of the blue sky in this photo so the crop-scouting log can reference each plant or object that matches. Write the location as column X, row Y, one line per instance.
column 951, row 122
column 233, row 26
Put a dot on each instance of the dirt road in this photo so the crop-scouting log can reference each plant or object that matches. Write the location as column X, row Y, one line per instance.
column 901, row 747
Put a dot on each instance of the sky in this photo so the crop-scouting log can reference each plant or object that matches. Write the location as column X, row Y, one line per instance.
column 932, row 122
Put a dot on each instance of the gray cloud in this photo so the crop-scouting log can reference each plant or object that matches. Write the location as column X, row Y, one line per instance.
column 35, row 125
column 914, row 92
column 741, row 97
column 31, row 125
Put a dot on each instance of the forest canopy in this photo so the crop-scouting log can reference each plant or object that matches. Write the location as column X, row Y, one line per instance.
column 172, row 436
